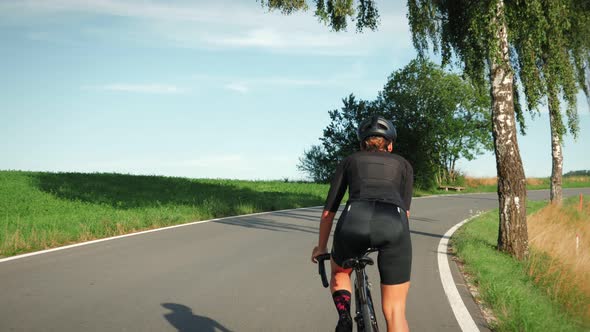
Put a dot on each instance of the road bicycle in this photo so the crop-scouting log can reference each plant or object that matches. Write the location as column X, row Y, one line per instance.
column 365, row 318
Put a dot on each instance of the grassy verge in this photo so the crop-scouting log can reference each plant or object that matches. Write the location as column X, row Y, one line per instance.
column 490, row 184
column 522, row 295
column 559, row 262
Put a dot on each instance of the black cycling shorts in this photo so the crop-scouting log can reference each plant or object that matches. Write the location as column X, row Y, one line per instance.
column 373, row 224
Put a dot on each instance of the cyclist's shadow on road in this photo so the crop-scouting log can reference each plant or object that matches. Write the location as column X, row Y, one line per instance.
column 183, row 319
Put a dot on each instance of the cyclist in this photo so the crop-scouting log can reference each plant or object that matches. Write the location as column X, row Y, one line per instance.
column 380, row 186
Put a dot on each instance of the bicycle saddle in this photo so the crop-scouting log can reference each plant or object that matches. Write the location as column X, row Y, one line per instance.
column 357, row 263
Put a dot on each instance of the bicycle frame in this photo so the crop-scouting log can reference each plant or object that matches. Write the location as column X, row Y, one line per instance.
column 366, row 321
column 361, row 285
column 364, row 312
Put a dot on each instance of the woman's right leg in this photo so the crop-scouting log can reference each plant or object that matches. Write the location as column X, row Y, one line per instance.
column 351, row 239
column 340, row 279
column 393, row 301
column 340, row 288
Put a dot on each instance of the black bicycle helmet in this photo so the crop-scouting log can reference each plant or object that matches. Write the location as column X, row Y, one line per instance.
column 376, row 126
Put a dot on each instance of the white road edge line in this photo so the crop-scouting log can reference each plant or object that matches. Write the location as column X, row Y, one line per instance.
column 462, row 315
column 2, row 260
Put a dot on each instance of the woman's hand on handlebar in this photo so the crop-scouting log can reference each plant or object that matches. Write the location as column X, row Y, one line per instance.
column 316, row 252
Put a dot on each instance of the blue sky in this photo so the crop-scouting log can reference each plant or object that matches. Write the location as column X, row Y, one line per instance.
column 201, row 89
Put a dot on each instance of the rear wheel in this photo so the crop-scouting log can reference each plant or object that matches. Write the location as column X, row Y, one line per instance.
column 372, row 316
column 359, row 315
column 367, row 321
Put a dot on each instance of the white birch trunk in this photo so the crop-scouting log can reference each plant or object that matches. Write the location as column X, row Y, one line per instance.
column 512, row 234
column 556, row 151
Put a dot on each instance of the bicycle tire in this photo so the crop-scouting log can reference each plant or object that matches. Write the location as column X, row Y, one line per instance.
column 367, row 321
column 375, row 327
column 359, row 315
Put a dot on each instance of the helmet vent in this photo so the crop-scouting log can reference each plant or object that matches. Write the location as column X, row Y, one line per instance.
column 376, row 126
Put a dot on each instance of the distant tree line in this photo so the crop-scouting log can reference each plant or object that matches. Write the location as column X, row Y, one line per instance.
column 578, row 173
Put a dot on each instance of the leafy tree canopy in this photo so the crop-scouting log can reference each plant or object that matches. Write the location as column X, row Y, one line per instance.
column 333, row 13
column 338, row 140
column 551, row 52
column 549, row 44
column 439, row 116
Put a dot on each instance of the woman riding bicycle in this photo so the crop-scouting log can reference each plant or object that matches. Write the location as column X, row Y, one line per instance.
column 376, row 215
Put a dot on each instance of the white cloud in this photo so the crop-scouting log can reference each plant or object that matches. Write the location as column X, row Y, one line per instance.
column 212, row 24
column 143, row 88
column 256, row 37
column 270, row 80
column 237, row 87
column 128, row 8
column 244, row 84
column 286, row 39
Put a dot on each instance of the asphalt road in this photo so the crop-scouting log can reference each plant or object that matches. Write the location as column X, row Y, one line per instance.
column 249, row 273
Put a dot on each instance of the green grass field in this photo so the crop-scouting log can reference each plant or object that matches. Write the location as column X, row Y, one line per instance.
column 43, row 210
column 519, row 300
column 40, row 210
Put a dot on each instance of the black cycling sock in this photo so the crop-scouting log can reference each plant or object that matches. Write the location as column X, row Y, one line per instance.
column 342, row 301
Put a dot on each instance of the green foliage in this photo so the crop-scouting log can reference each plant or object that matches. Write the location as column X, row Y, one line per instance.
column 459, row 180
column 338, row 140
column 439, row 118
column 551, row 51
column 458, row 29
column 285, row 6
column 316, row 163
column 333, row 13
column 549, row 38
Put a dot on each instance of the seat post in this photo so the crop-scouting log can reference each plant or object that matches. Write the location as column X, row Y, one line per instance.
column 360, row 279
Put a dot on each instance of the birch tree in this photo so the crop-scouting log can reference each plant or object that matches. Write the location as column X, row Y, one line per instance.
column 551, row 46
column 476, row 34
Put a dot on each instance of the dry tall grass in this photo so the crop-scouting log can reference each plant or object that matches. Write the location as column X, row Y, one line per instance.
column 578, row 178
column 534, row 181
column 492, row 181
column 476, row 182
column 555, row 261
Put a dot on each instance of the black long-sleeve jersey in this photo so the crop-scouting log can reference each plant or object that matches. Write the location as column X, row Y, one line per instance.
column 372, row 176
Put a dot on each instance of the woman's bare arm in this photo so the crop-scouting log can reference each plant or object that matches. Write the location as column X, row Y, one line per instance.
column 325, row 228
